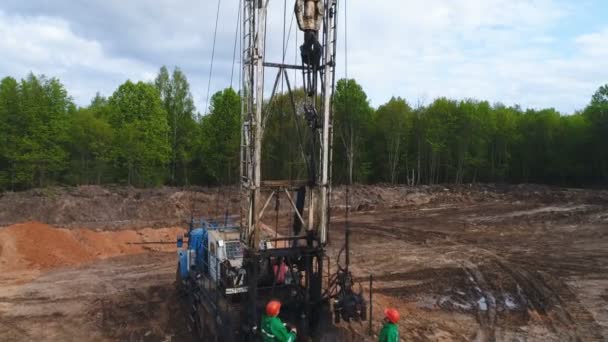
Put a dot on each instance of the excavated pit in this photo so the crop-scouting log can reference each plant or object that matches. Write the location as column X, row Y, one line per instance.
column 460, row 263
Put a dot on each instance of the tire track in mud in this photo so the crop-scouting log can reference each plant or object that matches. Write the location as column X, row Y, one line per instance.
column 557, row 305
column 560, row 309
column 486, row 304
column 551, row 297
column 542, row 293
column 404, row 234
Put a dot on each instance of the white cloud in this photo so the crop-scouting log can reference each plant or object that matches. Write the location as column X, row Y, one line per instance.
column 500, row 50
column 493, row 49
column 594, row 44
column 44, row 45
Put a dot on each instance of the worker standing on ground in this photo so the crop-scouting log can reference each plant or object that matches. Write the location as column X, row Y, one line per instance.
column 390, row 331
column 273, row 330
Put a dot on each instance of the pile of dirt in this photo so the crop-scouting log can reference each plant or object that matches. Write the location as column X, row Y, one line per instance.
column 371, row 197
column 35, row 245
column 115, row 208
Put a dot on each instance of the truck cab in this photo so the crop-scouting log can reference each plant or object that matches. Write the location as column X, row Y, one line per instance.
column 216, row 254
column 226, row 260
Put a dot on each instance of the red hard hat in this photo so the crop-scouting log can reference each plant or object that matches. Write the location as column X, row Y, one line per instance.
column 392, row 315
column 273, row 307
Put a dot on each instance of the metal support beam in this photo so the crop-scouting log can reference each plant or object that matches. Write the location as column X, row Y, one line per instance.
column 259, row 49
column 311, row 209
column 313, row 119
column 371, row 304
column 284, row 66
column 274, row 91
column 328, row 74
column 294, row 207
column 265, row 206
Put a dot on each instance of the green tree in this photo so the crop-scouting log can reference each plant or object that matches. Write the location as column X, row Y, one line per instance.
column 352, row 127
column 501, row 129
column 148, row 134
column 9, row 126
column 177, row 100
column 90, row 143
column 392, row 127
column 47, row 103
column 220, row 138
column 438, row 122
column 535, row 151
column 572, row 145
column 34, row 117
column 468, row 140
column 287, row 144
column 597, row 115
column 600, row 97
column 141, row 148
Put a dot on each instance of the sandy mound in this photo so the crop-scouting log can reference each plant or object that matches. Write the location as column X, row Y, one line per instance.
column 41, row 246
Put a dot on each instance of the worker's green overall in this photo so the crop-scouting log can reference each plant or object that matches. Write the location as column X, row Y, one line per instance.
column 273, row 330
column 389, row 333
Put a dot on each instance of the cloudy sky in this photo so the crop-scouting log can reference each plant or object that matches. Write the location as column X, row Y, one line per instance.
column 536, row 53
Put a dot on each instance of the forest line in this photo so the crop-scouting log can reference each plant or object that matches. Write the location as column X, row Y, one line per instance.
column 151, row 134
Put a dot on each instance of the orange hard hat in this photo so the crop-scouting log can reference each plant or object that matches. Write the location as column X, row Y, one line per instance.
column 392, row 315
column 273, row 307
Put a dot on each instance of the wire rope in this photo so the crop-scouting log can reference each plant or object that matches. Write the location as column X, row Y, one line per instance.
column 236, row 39
column 217, row 19
column 347, row 107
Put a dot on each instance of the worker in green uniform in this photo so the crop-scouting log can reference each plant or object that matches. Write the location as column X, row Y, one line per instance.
column 273, row 330
column 390, row 332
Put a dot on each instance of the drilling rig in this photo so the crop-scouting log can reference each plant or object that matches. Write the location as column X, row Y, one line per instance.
column 228, row 272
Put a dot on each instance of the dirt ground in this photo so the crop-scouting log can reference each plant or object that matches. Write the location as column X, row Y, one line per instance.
column 484, row 263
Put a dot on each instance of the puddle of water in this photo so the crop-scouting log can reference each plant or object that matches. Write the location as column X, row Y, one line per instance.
column 482, row 304
column 510, row 302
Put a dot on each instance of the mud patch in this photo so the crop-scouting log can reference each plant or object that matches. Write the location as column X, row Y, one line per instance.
column 151, row 314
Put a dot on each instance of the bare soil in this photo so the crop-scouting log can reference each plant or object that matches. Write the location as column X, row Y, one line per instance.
column 485, row 263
